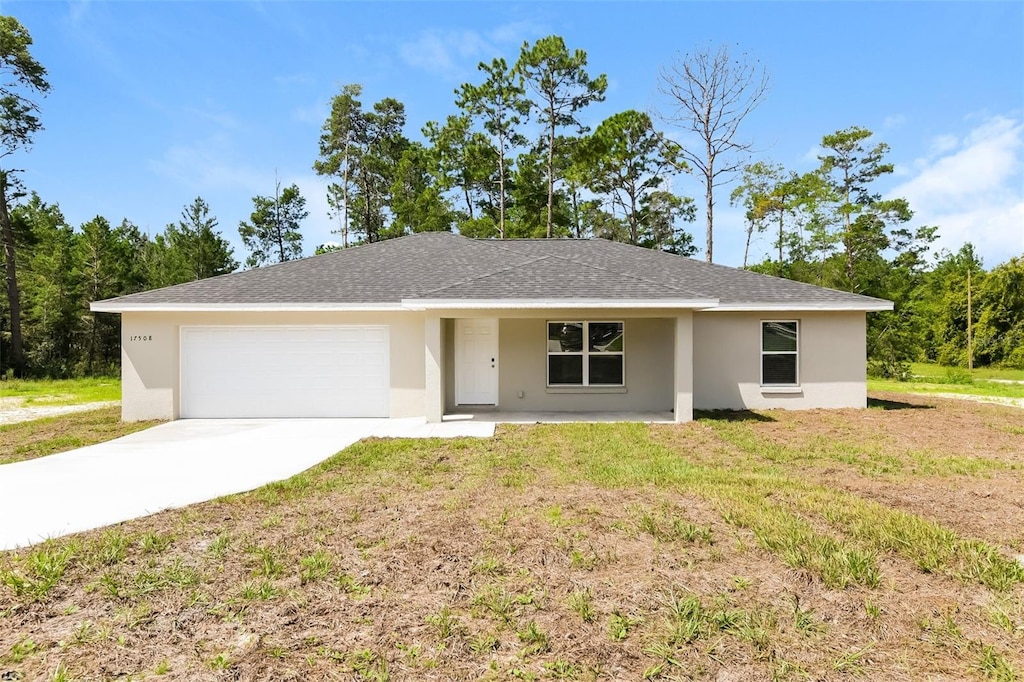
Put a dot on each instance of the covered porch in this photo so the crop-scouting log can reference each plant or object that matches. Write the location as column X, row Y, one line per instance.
column 510, row 365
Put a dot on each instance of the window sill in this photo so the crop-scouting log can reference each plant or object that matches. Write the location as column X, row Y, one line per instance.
column 577, row 390
column 781, row 390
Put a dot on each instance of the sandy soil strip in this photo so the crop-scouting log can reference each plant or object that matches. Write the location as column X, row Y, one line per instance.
column 998, row 400
column 13, row 410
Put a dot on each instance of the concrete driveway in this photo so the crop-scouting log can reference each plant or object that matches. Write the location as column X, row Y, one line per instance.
column 177, row 464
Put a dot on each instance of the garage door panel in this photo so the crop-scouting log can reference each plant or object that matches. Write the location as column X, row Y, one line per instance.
column 284, row 372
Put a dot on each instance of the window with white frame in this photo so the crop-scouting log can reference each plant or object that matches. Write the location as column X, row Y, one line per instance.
column 780, row 348
column 585, row 354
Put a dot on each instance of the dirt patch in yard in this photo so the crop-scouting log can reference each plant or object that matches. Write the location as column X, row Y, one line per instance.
column 550, row 552
column 49, row 435
column 991, row 509
column 959, row 463
column 903, row 423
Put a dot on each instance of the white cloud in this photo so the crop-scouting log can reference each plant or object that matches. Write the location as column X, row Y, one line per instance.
column 893, row 121
column 446, row 53
column 205, row 165
column 78, row 10
column 455, row 53
column 942, row 144
column 814, row 153
column 207, row 169
column 515, row 33
column 971, row 188
column 315, row 113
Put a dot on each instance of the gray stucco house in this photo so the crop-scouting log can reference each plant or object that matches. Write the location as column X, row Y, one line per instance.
column 436, row 323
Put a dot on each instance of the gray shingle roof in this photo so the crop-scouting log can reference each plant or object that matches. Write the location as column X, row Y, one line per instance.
column 445, row 266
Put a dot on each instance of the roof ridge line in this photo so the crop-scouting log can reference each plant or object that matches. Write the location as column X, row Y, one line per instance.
column 743, row 271
column 471, row 279
column 590, row 265
column 621, row 274
column 544, row 257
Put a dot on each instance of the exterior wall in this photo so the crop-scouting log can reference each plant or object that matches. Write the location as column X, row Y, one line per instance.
column 150, row 355
column 727, row 361
column 522, row 358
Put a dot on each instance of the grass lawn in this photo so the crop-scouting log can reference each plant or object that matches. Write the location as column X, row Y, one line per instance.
column 872, row 544
column 50, row 435
column 930, row 379
column 932, row 371
column 41, row 392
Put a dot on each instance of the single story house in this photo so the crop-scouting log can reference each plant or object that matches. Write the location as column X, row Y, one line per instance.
column 436, row 323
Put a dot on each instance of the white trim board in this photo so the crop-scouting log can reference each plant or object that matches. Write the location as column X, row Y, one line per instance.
column 111, row 307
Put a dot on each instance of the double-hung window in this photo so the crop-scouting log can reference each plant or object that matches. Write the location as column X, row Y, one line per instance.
column 585, row 354
column 780, row 348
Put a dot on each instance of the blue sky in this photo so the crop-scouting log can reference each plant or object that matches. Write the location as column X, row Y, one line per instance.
column 155, row 103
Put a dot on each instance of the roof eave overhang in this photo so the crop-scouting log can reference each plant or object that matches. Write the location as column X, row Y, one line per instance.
column 112, row 306
column 702, row 305
column 867, row 307
column 555, row 303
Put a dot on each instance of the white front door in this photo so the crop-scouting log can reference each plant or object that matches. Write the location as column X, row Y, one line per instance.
column 476, row 362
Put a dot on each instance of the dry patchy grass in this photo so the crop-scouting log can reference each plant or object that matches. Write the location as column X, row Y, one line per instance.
column 49, row 435
column 775, row 546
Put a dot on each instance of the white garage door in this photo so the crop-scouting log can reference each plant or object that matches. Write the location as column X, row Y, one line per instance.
column 250, row 372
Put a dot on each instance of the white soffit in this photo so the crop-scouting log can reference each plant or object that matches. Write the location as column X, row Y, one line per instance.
column 873, row 306
column 701, row 305
column 113, row 307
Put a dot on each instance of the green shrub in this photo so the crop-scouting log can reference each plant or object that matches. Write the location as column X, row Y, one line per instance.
column 958, row 375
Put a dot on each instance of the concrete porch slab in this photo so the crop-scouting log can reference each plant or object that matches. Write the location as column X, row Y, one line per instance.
column 500, row 417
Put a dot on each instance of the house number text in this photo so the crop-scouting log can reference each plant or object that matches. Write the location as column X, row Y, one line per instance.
column 141, row 337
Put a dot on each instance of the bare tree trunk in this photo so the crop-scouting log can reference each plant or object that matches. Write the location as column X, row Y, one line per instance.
column 551, row 172
column 746, row 247
column 782, row 215
column 92, row 346
column 367, row 210
column 710, row 94
column 278, row 232
column 710, row 207
column 469, row 200
column 847, row 237
column 501, row 187
column 634, row 222
column 13, row 293
column 344, row 198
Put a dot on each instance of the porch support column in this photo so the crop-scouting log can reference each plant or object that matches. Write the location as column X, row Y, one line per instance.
column 433, row 399
column 684, row 367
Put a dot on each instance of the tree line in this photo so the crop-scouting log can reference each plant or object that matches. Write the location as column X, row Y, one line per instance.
column 479, row 173
column 831, row 227
column 513, row 160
